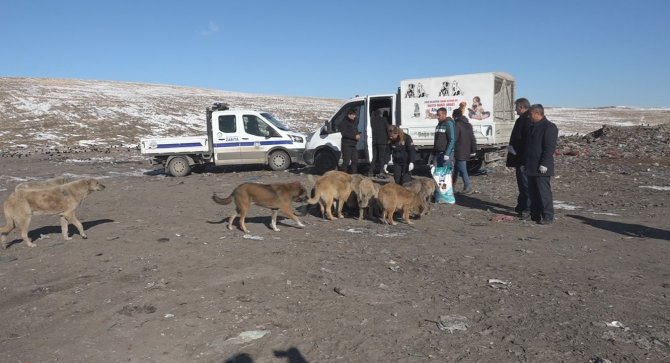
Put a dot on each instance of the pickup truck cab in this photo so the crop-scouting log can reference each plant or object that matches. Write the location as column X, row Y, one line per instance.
column 234, row 137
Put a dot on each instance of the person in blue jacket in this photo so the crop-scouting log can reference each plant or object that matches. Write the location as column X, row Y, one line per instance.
column 539, row 164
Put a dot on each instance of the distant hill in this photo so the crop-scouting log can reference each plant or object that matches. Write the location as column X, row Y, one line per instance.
column 43, row 114
column 53, row 113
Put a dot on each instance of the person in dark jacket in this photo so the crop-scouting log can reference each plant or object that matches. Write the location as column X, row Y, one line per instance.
column 350, row 136
column 380, row 141
column 445, row 138
column 538, row 162
column 515, row 149
column 403, row 154
column 466, row 144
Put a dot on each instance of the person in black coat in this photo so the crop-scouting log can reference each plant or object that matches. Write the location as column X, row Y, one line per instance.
column 515, row 149
column 466, row 144
column 538, row 163
column 350, row 136
column 403, row 153
column 380, row 141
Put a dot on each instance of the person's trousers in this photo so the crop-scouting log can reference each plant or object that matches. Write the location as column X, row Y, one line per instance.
column 461, row 168
column 378, row 158
column 349, row 156
column 401, row 173
column 541, row 200
column 523, row 199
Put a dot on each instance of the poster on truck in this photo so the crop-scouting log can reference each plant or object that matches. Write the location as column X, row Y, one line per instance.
column 421, row 98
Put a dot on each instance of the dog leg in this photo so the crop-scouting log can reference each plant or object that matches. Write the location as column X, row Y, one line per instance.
column 292, row 215
column 405, row 216
column 243, row 216
column 63, row 228
column 340, row 207
column 23, row 227
column 329, row 209
column 231, row 219
column 273, row 223
column 73, row 219
column 389, row 215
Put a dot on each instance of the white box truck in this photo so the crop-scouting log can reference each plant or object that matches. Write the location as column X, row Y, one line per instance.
column 234, row 137
column 490, row 108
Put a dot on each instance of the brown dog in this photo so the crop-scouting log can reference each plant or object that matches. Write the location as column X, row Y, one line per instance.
column 364, row 194
column 393, row 197
column 63, row 200
column 278, row 196
column 39, row 184
column 333, row 185
column 423, row 186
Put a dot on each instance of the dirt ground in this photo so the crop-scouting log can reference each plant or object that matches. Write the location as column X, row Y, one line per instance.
column 161, row 278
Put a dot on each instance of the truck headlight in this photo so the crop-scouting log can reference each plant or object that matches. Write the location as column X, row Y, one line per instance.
column 297, row 139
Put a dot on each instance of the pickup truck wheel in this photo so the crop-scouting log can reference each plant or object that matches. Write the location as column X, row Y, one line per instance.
column 179, row 166
column 324, row 161
column 279, row 160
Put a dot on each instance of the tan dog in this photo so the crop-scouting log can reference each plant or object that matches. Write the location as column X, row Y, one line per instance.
column 365, row 192
column 423, row 186
column 333, row 185
column 39, row 184
column 393, row 197
column 63, row 200
column 278, row 196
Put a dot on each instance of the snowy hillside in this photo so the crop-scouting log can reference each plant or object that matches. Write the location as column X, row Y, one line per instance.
column 105, row 114
column 43, row 114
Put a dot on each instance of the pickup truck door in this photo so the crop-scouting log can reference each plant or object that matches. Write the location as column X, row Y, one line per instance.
column 226, row 137
column 256, row 139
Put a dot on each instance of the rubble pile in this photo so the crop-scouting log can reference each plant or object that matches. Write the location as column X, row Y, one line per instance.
column 617, row 142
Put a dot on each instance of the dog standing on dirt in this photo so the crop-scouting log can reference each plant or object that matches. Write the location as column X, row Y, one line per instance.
column 63, row 200
column 393, row 197
column 423, row 186
column 364, row 194
column 277, row 196
column 333, row 185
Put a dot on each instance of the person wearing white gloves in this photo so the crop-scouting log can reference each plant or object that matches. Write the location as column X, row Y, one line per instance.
column 539, row 164
column 515, row 149
column 403, row 154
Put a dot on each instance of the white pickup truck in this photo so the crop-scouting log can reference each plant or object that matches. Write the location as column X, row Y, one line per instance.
column 234, row 137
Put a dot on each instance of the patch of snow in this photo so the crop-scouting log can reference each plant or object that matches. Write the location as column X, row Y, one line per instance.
column 655, row 187
column 563, row 205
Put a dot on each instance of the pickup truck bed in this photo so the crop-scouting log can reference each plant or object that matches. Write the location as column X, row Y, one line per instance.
column 174, row 145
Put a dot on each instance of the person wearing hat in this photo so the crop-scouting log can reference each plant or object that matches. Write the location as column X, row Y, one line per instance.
column 350, row 137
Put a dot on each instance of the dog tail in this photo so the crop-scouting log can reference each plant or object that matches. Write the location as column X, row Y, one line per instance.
column 315, row 196
column 223, row 201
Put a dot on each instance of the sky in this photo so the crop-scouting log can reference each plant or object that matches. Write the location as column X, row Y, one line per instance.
column 568, row 53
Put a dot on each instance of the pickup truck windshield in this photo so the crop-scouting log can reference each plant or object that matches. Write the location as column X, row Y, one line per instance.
column 278, row 124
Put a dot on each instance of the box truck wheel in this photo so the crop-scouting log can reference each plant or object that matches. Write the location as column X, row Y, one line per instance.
column 179, row 166
column 279, row 160
column 474, row 165
column 324, row 161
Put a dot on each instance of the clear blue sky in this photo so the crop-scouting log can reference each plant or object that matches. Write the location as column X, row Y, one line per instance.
column 572, row 53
